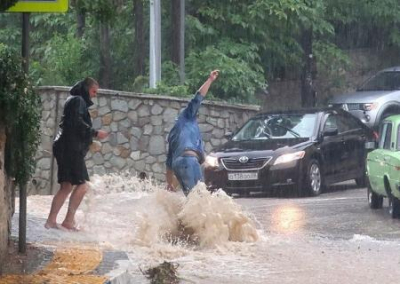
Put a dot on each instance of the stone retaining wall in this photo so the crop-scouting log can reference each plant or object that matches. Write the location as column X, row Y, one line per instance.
column 138, row 126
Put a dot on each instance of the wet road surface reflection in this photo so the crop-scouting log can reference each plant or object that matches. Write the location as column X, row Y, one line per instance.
column 342, row 212
column 287, row 219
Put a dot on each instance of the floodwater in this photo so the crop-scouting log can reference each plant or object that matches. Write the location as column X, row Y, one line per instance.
column 216, row 239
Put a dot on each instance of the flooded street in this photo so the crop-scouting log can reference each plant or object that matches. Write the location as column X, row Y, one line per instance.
column 333, row 238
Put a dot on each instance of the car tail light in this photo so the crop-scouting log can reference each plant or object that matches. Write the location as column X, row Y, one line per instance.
column 376, row 135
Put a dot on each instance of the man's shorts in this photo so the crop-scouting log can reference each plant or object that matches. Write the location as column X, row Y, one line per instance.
column 188, row 172
column 71, row 168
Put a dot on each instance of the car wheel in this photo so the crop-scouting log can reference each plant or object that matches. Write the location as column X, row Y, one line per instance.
column 361, row 181
column 313, row 180
column 374, row 200
column 394, row 207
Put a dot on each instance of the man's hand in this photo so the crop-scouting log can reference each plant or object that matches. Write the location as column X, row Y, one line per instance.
column 204, row 88
column 170, row 188
column 170, row 180
column 214, row 75
column 101, row 134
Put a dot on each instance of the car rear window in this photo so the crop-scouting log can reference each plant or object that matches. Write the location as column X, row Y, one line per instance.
column 389, row 80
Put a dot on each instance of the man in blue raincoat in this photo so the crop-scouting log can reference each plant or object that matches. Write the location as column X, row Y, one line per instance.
column 185, row 145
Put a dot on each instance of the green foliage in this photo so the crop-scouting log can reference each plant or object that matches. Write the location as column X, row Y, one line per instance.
column 6, row 4
column 365, row 23
column 10, row 29
column 330, row 59
column 122, row 48
column 251, row 42
column 170, row 73
column 20, row 108
column 239, row 78
column 169, row 85
column 274, row 27
column 163, row 89
column 332, row 64
column 63, row 63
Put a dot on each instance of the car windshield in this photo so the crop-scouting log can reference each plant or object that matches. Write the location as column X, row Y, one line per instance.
column 383, row 81
column 278, row 126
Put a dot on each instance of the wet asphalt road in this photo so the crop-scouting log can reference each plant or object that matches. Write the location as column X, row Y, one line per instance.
column 339, row 213
column 330, row 239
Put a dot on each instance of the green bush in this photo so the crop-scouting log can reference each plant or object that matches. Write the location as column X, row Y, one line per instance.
column 20, row 109
column 164, row 89
column 238, row 78
column 64, row 62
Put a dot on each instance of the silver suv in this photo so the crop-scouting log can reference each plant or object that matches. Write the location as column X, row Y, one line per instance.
column 376, row 99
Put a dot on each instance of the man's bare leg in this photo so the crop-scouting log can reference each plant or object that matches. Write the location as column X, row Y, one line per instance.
column 57, row 203
column 74, row 202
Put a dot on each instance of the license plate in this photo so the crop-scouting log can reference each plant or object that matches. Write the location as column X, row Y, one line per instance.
column 242, row 176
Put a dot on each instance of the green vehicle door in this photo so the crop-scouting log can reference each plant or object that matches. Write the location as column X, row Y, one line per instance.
column 393, row 160
column 376, row 165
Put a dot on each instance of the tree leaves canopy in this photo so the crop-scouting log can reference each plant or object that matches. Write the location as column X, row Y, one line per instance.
column 252, row 42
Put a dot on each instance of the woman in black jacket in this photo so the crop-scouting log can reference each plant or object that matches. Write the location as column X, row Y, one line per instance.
column 70, row 148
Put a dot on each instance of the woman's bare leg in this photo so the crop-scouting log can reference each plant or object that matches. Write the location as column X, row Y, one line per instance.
column 57, row 203
column 74, row 202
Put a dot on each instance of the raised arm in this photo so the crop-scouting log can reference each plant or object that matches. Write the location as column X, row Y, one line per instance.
column 193, row 106
column 204, row 88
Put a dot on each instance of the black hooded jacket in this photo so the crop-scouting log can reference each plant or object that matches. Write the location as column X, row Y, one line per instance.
column 76, row 132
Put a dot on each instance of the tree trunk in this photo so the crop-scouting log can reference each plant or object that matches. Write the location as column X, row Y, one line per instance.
column 81, row 21
column 105, row 56
column 139, row 46
column 308, row 93
column 175, row 31
column 80, row 17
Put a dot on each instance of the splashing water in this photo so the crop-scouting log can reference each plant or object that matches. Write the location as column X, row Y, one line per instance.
column 202, row 232
column 215, row 218
column 142, row 213
column 159, row 221
column 209, row 219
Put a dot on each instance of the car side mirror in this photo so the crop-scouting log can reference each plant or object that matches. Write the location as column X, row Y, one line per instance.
column 371, row 145
column 330, row 131
column 228, row 135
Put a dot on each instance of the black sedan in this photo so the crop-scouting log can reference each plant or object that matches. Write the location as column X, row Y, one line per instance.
column 303, row 150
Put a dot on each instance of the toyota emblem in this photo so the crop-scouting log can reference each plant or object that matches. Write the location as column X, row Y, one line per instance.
column 243, row 159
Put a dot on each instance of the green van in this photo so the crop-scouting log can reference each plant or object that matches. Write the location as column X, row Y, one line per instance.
column 383, row 167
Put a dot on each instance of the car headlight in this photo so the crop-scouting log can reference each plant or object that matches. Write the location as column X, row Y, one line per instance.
column 286, row 158
column 212, row 161
column 368, row 107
